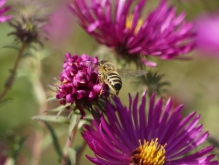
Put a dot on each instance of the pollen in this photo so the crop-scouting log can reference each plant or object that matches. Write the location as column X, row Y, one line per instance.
column 149, row 153
column 129, row 23
column 64, row 81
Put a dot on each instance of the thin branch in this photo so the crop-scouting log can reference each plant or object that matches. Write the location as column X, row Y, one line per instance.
column 68, row 144
column 10, row 80
column 80, row 152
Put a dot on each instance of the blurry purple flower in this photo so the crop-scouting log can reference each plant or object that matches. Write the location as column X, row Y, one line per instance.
column 59, row 25
column 114, row 24
column 207, row 29
column 127, row 136
column 3, row 10
column 80, row 83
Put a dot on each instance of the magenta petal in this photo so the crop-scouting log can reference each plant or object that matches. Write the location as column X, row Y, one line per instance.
column 115, row 137
column 148, row 63
column 162, row 30
column 79, row 80
column 81, row 94
column 70, row 98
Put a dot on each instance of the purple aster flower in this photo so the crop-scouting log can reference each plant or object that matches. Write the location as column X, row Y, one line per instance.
column 129, row 136
column 208, row 34
column 80, row 83
column 59, row 25
column 3, row 11
column 112, row 22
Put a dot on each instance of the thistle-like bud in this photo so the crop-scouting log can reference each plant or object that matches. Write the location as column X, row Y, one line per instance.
column 153, row 82
column 27, row 24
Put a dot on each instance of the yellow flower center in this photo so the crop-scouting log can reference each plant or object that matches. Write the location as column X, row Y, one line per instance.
column 129, row 23
column 149, row 153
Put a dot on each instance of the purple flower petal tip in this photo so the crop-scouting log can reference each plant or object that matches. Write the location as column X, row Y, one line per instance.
column 127, row 135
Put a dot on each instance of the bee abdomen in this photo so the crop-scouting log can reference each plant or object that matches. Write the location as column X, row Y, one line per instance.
column 114, row 80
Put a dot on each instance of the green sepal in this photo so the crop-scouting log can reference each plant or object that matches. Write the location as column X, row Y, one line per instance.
column 51, row 118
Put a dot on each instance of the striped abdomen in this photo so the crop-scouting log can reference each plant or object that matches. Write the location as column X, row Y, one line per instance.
column 114, row 80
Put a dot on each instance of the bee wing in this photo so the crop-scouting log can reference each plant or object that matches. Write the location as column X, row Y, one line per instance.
column 130, row 72
column 90, row 64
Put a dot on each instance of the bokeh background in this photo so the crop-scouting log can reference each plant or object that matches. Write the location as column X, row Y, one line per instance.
column 194, row 82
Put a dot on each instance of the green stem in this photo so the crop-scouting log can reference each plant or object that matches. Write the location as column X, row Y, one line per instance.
column 68, row 144
column 10, row 80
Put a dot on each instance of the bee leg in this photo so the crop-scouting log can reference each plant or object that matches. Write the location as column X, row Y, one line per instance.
column 101, row 80
column 117, row 93
column 101, row 91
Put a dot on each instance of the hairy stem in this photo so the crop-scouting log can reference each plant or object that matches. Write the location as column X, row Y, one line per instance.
column 68, row 144
column 10, row 79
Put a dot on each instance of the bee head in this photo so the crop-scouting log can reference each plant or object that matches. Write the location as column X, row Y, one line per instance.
column 103, row 62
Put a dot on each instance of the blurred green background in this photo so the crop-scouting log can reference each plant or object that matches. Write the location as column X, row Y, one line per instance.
column 193, row 83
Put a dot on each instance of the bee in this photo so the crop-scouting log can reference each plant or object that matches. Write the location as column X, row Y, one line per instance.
column 110, row 75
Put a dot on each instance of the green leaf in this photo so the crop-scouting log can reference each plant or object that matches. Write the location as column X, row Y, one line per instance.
column 51, row 98
column 11, row 46
column 86, row 120
column 73, row 122
column 57, row 109
column 55, row 139
column 17, row 148
column 59, row 130
column 26, row 54
column 71, row 155
column 5, row 101
column 51, row 118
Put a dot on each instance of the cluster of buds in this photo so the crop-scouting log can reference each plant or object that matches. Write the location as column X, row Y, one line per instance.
column 79, row 80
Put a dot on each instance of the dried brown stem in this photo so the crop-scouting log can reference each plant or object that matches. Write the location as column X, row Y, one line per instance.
column 10, row 79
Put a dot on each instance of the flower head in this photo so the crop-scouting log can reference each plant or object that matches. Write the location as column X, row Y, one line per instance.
column 3, row 11
column 128, row 136
column 28, row 22
column 132, row 35
column 60, row 25
column 208, row 34
column 79, row 80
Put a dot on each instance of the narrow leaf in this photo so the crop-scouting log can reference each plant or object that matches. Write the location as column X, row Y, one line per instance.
column 51, row 98
column 5, row 101
column 18, row 147
column 55, row 139
column 71, row 155
column 73, row 122
column 51, row 118
column 59, row 108
column 11, row 47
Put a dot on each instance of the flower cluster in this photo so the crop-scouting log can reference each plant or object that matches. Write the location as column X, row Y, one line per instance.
column 129, row 136
column 115, row 25
column 79, row 80
column 3, row 11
